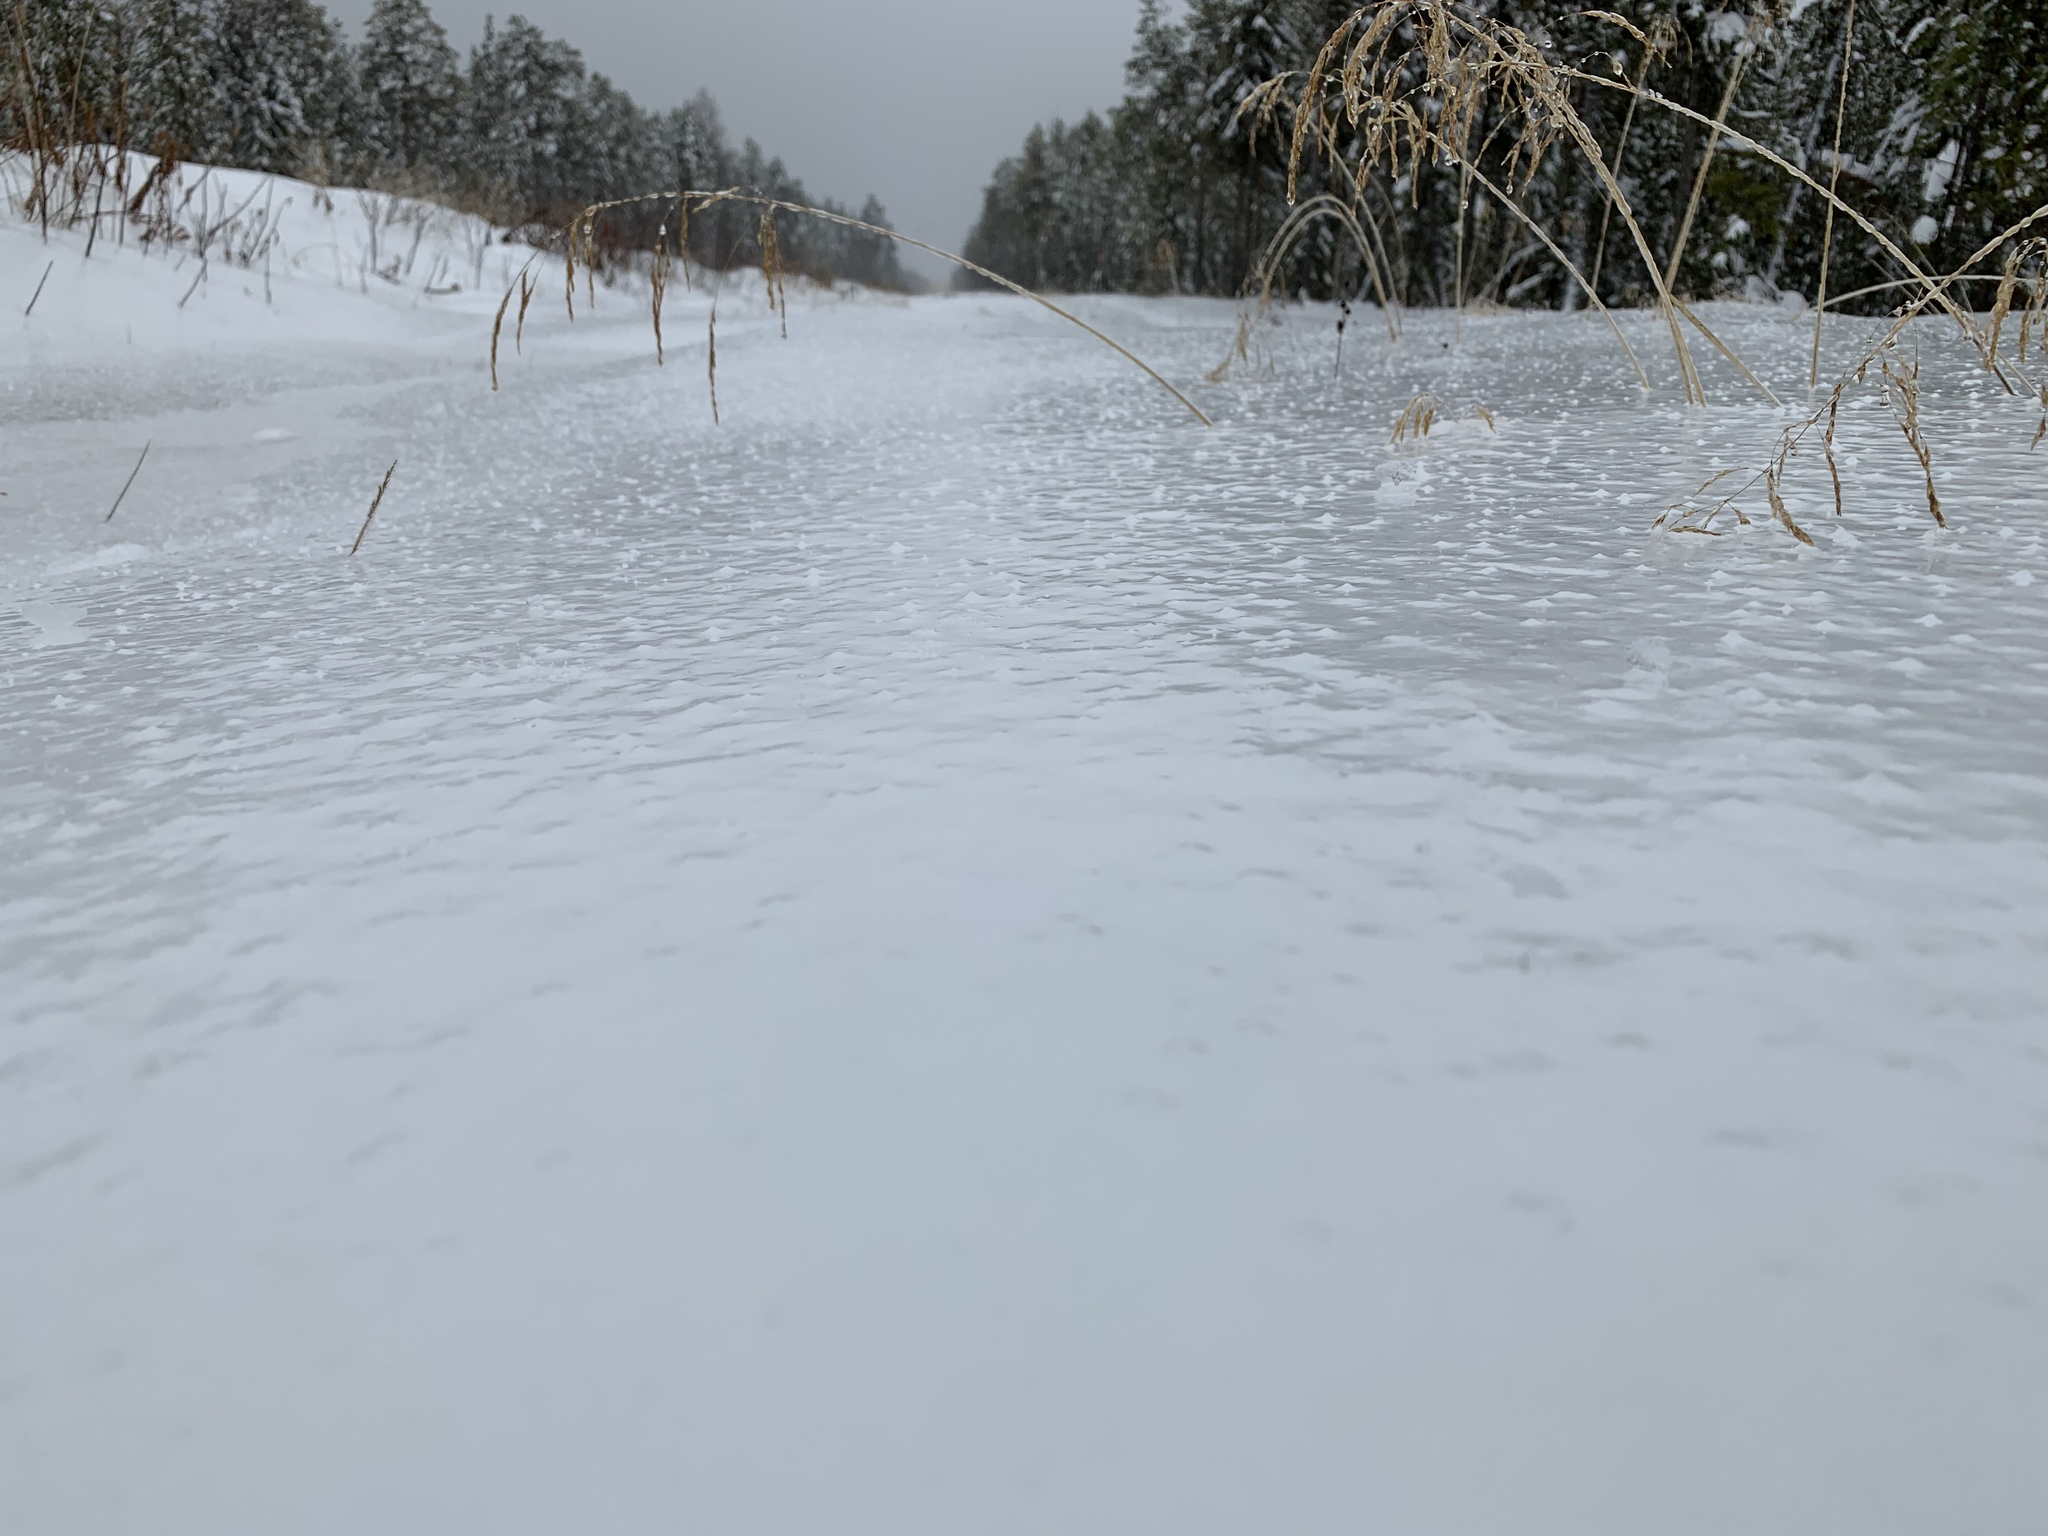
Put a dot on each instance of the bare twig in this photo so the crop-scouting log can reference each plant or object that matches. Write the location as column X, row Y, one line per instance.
column 126, row 483
column 375, row 502
column 39, row 291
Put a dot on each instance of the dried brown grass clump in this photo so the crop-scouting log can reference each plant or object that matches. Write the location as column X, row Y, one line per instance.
column 1407, row 82
column 580, row 248
column 1417, row 417
column 1898, row 385
column 1420, row 415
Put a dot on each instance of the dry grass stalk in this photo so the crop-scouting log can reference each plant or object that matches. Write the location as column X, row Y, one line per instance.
column 1743, row 52
column 1827, row 447
column 2036, row 312
column 1419, row 416
column 702, row 200
column 1827, row 241
column 1272, row 99
column 569, row 270
column 1593, row 297
column 711, row 358
column 657, row 284
column 1657, row 45
column 1296, row 225
column 2008, row 285
column 376, row 501
column 523, row 285
column 1772, row 477
column 1465, row 83
column 1903, row 396
column 771, row 270
column 1934, row 290
column 497, row 330
column 1416, row 417
column 1240, row 349
column 47, row 270
column 1438, row 81
column 1458, row 260
column 1468, row 79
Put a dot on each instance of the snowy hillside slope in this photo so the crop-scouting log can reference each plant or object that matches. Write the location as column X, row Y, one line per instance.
column 958, row 952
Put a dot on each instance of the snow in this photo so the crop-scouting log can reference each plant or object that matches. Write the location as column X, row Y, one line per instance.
column 959, row 952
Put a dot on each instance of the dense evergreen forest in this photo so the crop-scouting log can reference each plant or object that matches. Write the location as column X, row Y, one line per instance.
column 1944, row 142
column 521, row 131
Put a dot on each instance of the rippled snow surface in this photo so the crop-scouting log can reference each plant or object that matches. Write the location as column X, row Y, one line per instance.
column 960, row 954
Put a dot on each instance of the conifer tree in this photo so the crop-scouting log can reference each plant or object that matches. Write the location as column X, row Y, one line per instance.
column 284, row 90
column 409, row 82
column 67, row 71
column 1985, row 133
column 518, row 118
column 873, row 259
column 172, row 93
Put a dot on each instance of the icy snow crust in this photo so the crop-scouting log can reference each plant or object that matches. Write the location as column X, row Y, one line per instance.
column 961, row 954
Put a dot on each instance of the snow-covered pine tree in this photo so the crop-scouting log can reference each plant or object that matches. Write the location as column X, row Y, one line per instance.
column 1168, row 166
column 518, row 113
column 693, row 155
column 409, row 84
column 283, row 85
column 620, row 148
column 66, row 78
column 173, row 97
column 1984, row 136
column 1239, row 45
column 697, row 153
column 1951, row 127
column 873, row 259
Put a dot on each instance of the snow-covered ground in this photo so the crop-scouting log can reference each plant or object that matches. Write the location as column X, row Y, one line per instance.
column 959, row 953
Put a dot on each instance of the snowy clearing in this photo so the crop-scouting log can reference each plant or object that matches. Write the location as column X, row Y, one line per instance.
column 961, row 954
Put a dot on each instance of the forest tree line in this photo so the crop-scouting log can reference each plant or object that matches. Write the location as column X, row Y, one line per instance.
column 520, row 131
column 1944, row 142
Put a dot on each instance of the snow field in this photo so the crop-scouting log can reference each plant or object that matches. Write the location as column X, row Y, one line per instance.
column 959, row 952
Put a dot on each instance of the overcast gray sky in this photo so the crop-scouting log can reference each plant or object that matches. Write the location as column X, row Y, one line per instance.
column 914, row 100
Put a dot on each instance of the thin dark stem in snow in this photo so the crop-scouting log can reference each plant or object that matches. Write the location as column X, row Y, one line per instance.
column 375, row 502
column 126, row 483
column 39, row 291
